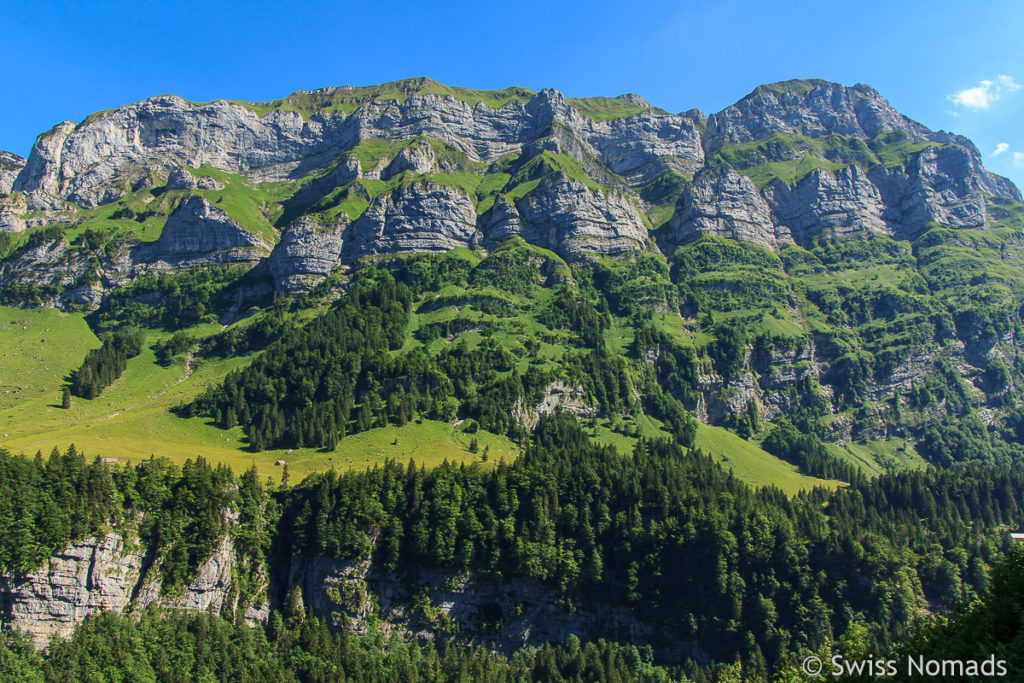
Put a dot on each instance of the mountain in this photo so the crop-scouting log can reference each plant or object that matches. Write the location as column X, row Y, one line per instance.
column 875, row 248
column 768, row 341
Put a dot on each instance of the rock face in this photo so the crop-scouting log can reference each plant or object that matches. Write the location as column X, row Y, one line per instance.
column 423, row 217
column 811, row 108
column 12, row 211
column 938, row 186
column 106, row 575
column 307, row 253
column 724, row 204
column 556, row 395
column 199, row 234
column 90, row 162
column 10, row 166
column 507, row 613
column 836, row 205
column 180, row 179
column 95, row 575
column 563, row 215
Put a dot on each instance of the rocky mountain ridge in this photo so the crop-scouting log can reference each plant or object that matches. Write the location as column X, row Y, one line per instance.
column 428, row 172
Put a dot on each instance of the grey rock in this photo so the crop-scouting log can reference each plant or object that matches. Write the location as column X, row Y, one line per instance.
column 725, row 204
column 94, row 575
column 12, row 213
column 181, row 179
column 87, row 163
column 363, row 597
column 637, row 147
column 106, row 574
column 557, row 395
column 417, row 158
column 200, row 234
column 836, row 205
column 825, row 108
column 565, row 216
column 91, row 163
column 422, row 216
column 306, row 254
column 936, row 186
column 112, row 153
column 10, row 166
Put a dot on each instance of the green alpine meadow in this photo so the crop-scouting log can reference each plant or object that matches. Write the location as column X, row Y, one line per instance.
column 414, row 382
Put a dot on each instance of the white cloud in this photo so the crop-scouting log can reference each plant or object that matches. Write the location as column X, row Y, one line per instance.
column 985, row 93
column 1008, row 83
column 1018, row 159
column 1001, row 148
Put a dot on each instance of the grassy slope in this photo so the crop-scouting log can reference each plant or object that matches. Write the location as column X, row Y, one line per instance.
column 131, row 419
column 747, row 460
column 791, row 157
column 40, row 346
column 753, row 465
column 348, row 99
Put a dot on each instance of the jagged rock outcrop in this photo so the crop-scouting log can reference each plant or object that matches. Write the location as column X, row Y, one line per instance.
column 94, row 575
column 182, row 179
column 12, row 211
column 812, row 108
column 421, row 216
column 417, row 158
column 307, row 253
column 557, row 395
column 86, row 163
column 938, row 186
column 563, row 215
column 100, row 159
column 200, row 234
column 835, row 205
column 10, row 166
column 110, row 574
column 724, row 204
column 644, row 146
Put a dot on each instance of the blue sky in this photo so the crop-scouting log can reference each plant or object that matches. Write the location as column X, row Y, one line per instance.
column 950, row 65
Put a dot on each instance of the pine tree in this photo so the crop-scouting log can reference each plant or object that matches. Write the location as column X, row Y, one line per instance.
column 65, row 398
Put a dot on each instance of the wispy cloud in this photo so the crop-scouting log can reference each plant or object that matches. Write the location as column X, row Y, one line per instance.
column 985, row 93
column 1001, row 148
column 1018, row 159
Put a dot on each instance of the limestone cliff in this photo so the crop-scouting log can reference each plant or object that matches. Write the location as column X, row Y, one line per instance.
column 424, row 217
column 10, row 166
column 725, row 204
column 107, row 574
column 835, row 205
column 565, row 216
column 200, row 234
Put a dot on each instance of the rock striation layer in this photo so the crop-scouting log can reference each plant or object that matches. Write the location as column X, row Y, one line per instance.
column 106, row 574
